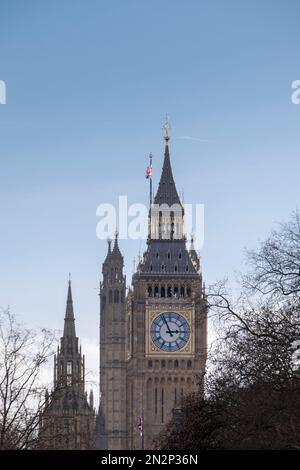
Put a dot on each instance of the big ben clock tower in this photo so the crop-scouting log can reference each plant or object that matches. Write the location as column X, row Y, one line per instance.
column 166, row 316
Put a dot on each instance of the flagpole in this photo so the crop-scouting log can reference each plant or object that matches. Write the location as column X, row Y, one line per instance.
column 149, row 172
column 150, row 157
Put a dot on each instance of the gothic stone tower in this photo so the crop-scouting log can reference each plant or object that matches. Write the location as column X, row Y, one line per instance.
column 112, row 351
column 68, row 421
column 166, row 318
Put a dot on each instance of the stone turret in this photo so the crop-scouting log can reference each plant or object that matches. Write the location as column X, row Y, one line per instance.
column 68, row 421
column 111, row 420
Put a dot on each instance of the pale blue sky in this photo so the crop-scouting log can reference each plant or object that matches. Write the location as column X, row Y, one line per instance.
column 88, row 83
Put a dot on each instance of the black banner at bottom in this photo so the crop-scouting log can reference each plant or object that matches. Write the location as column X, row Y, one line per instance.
column 136, row 459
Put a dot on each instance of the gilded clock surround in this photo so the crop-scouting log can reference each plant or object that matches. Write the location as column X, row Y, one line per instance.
column 153, row 310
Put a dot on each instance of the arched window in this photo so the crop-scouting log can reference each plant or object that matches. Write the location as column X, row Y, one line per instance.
column 116, row 297
column 162, row 267
column 110, row 297
column 151, row 267
column 69, row 367
column 102, row 322
column 180, row 255
column 156, row 291
column 160, row 224
column 128, row 332
column 187, row 268
column 169, row 255
column 189, row 364
column 150, row 364
column 182, row 291
column 175, row 268
column 172, row 225
column 175, row 291
column 122, row 296
column 162, row 291
column 149, row 291
column 61, row 371
column 188, row 292
column 163, row 364
column 176, row 364
column 169, row 291
column 162, row 404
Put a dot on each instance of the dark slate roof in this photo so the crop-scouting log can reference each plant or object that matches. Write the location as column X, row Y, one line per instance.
column 167, row 192
column 166, row 258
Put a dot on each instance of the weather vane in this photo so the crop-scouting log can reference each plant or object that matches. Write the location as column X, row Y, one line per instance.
column 167, row 128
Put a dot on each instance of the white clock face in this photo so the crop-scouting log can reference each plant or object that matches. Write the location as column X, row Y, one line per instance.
column 170, row 331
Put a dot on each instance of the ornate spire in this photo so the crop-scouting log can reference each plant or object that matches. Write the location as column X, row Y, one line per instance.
column 69, row 327
column 108, row 254
column 167, row 192
column 116, row 249
column 113, row 264
column 166, row 128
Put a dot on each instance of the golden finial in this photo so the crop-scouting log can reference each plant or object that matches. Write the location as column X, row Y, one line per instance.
column 167, row 128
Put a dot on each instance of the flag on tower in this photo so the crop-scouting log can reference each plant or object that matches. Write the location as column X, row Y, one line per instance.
column 140, row 424
column 149, row 172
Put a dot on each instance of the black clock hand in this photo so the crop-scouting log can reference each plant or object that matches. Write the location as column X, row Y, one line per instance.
column 169, row 331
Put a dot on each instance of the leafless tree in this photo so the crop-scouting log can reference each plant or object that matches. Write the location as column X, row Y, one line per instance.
column 275, row 266
column 23, row 353
column 252, row 394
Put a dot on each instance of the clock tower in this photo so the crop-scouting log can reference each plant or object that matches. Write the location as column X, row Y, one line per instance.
column 166, row 316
